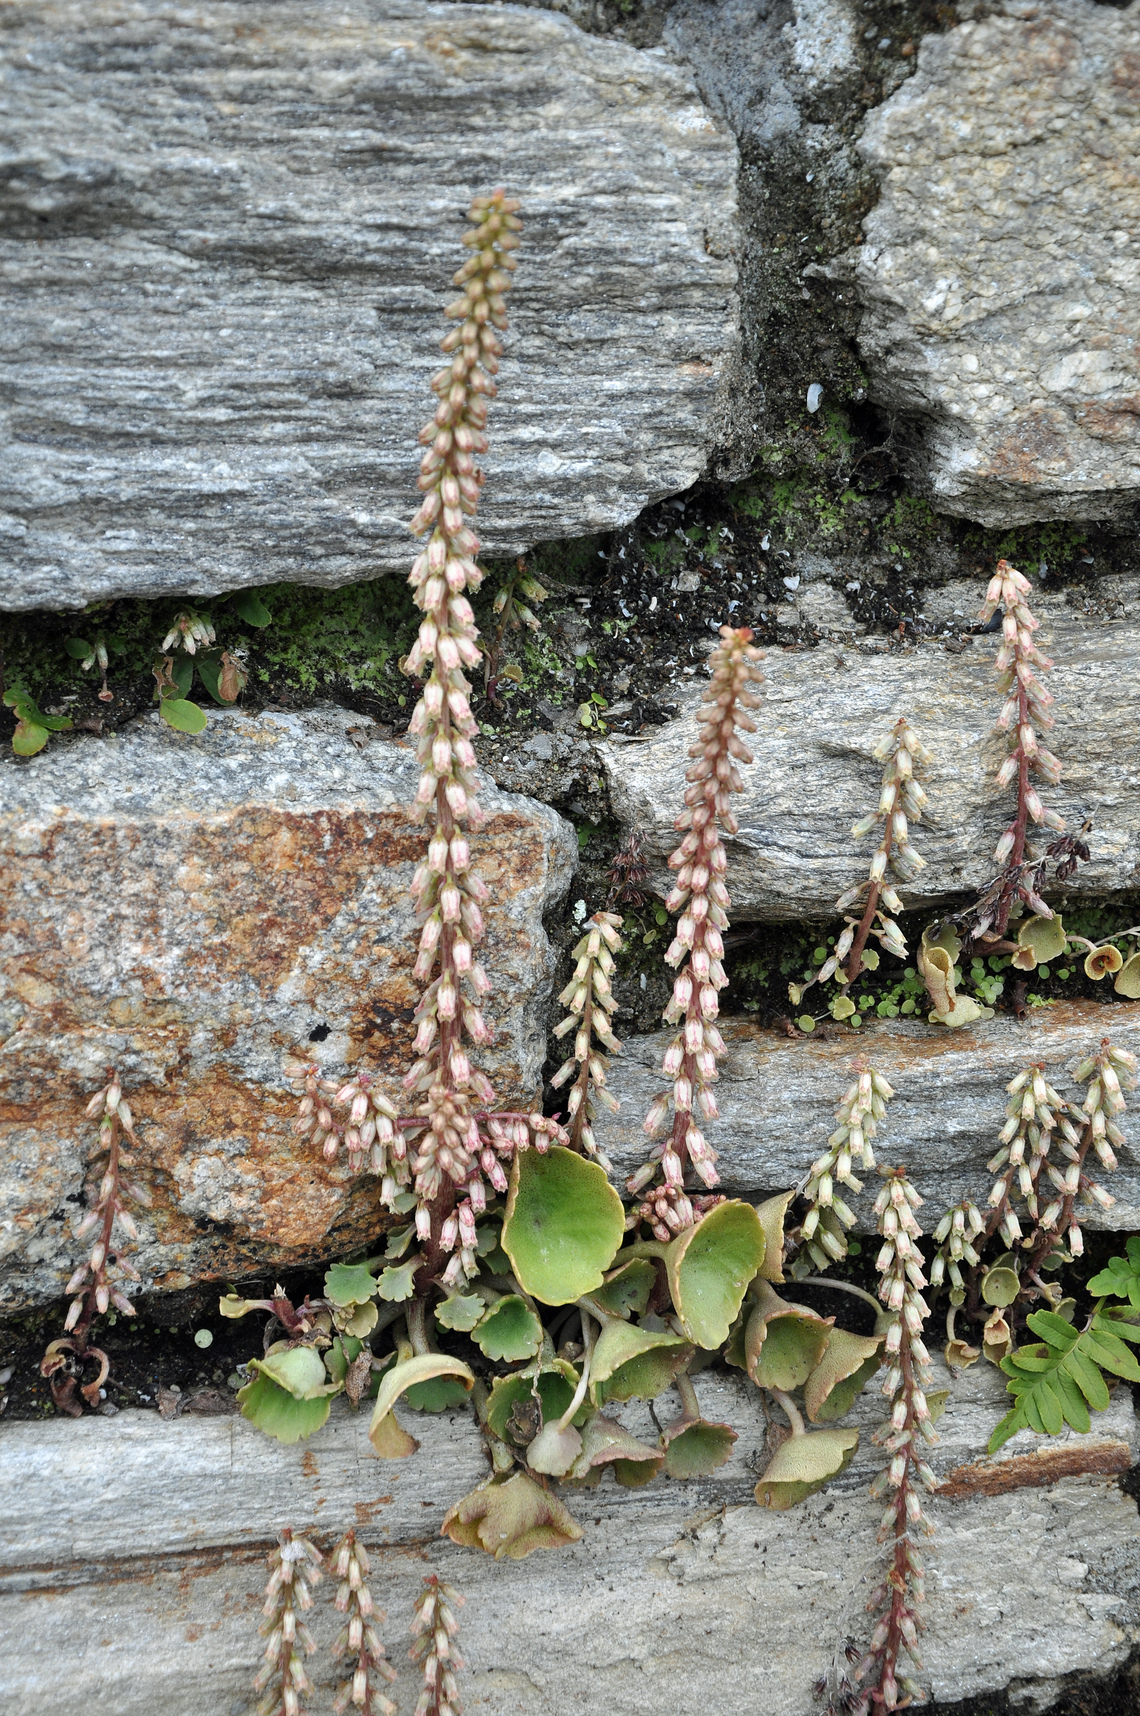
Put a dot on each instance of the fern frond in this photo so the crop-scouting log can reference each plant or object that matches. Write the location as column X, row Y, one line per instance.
column 1056, row 1379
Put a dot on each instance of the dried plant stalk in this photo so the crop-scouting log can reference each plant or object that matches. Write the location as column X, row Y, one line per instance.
column 294, row 1567
column 358, row 1636
column 434, row 1626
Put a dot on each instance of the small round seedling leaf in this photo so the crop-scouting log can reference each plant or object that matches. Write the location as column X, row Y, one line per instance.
column 563, row 1226
column 694, row 1447
column 460, row 1312
column 510, row 1331
column 78, row 648
column 710, row 1266
column 278, row 1413
column 182, row 715
column 848, row 1363
column 635, row 1363
column 349, row 1284
column 803, row 1464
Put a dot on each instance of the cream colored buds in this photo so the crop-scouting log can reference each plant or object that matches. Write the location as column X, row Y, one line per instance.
column 590, row 998
column 294, row 1567
column 358, row 1637
column 434, row 1629
column 701, row 899
column 1024, row 712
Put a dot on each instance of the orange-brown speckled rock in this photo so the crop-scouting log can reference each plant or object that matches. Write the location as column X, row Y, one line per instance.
column 190, row 909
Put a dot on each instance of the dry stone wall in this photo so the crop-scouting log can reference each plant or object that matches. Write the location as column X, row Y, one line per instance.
column 194, row 910
column 227, row 237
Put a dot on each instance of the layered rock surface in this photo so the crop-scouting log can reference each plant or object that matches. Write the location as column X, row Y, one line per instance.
column 777, row 1101
column 189, row 910
column 813, row 773
column 677, row 1593
column 227, row 237
column 1001, row 265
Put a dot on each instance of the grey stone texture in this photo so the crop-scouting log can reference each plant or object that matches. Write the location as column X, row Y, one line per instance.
column 777, row 1101
column 133, row 1556
column 227, row 238
column 1001, row 265
column 813, row 773
column 194, row 909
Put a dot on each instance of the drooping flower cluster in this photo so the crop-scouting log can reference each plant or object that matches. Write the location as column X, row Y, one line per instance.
column 1034, row 1112
column 669, row 1210
column 864, row 1105
column 702, row 899
column 1108, row 1074
column 93, row 1284
column 434, row 1627
column 367, row 1133
column 900, row 803
column 955, row 1236
column 294, row 1567
column 1025, row 710
column 907, row 1377
column 189, row 630
column 591, row 1001
column 358, row 1636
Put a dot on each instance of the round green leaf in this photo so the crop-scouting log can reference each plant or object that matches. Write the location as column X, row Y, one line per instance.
column 629, row 1362
column 437, row 1395
column 183, row 716
column 349, row 1284
column 793, row 1345
column 509, row 1331
column 29, row 738
column 77, row 648
column 1000, row 1286
column 460, row 1312
column 300, row 1370
column 278, row 1413
column 626, row 1292
column 563, row 1226
column 694, row 1447
column 803, row 1464
column 398, row 1281
column 1046, row 936
column 710, row 1266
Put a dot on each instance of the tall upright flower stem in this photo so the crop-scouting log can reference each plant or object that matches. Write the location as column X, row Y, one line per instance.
column 702, row 899
column 1025, row 710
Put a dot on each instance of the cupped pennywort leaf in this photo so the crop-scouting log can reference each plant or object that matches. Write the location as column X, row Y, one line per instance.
column 510, row 1517
column 694, row 1447
column 803, row 1464
column 848, row 1363
column 390, row 1441
column 509, row 1331
column 563, row 1226
column 629, row 1362
column 710, row 1267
